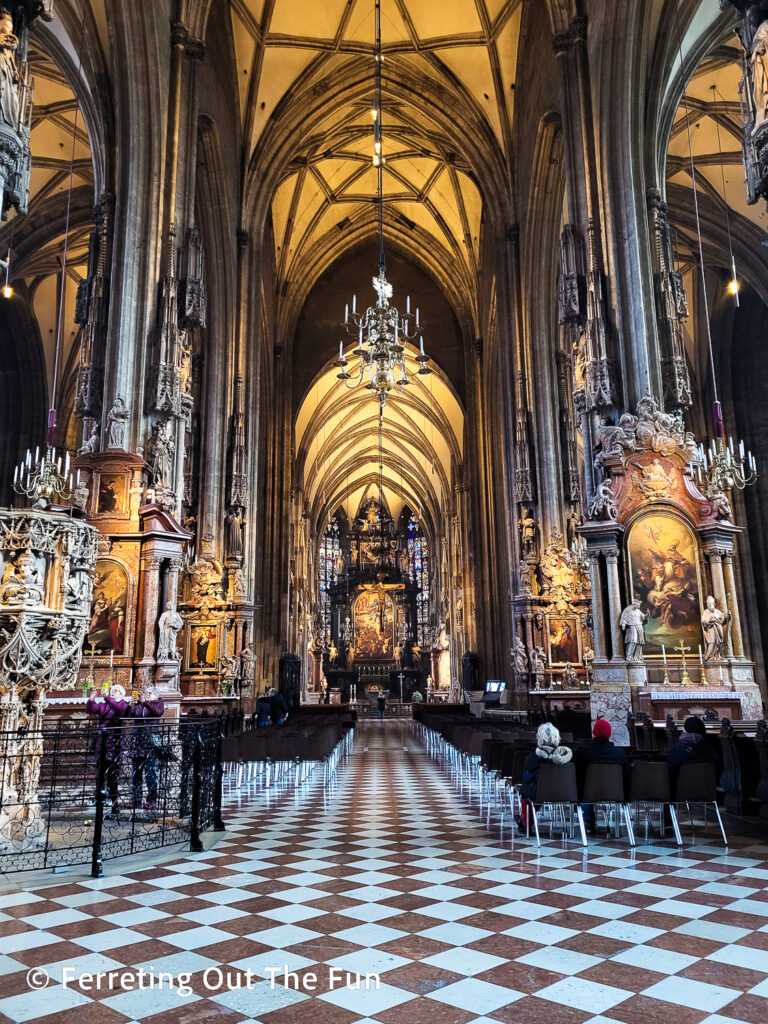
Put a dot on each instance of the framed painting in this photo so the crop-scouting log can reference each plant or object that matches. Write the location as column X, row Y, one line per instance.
column 203, row 647
column 111, row 494
column 563, row 640
column 664, row 572
column 374, row 624
column 107, row 629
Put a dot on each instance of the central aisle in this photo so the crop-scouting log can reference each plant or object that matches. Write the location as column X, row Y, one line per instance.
column 393, row 872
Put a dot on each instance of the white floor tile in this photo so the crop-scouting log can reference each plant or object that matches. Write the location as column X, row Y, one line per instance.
column 696, row 994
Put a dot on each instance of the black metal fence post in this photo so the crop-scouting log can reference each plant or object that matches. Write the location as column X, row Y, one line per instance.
column 97, row 866
column 218, row 783
column 195, row 845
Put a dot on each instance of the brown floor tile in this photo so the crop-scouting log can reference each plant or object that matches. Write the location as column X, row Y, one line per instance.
column 531, row 1010
column 713, row 973
column 14, row 984
column 420, row 978
column 753, row 1009
column 47, row 954
column 202, row 1011
column 642, row 1010
column 593, row 945
column 634, row 979
column 521, row 977
column 690, row 944
column 424, row 1011
column 311, row 1011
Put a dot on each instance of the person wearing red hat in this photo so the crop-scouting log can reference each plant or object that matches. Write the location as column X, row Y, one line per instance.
column 599, row 751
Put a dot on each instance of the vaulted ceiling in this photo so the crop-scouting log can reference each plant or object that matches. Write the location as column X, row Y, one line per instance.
column 324, row 198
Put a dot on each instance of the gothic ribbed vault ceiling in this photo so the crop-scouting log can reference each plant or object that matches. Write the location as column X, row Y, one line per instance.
column 467, row 46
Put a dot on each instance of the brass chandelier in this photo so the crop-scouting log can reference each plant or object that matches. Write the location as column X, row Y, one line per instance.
column 381, row 332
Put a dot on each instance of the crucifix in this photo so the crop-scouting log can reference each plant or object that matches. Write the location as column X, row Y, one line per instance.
column 401, row 677
column 685, row 679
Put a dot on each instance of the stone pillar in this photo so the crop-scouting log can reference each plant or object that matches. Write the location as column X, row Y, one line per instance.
column 598, row 609
column 718, row 580
column 614, row 603
column 732, row 601
column 150, row 600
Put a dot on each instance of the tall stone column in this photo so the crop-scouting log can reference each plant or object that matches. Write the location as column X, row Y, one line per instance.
column 732, row 601
column 598, row 609
column 614, row 603
column 718, row 579
column 150, row 601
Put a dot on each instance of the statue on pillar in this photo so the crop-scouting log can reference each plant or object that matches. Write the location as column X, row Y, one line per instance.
column 9, row 74
column 714, row 624
column 527, row 526
column 633, row 620
column 520, row 658
column 117, row 418
column 169, row 624
column 443, row 657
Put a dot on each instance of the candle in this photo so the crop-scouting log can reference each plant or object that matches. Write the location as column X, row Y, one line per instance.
column 15, row 473
column 341, row 350
column 111, row 658
column 354, row 303
column 664, row 654
column 701, row 657
column 421, row 345
column 408, row 305
column 346, row 313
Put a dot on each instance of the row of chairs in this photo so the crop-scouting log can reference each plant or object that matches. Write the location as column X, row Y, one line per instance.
column 287, row 753
column 493, row 767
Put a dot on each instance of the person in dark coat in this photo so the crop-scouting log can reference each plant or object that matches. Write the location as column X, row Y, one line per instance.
column 692, row 747
column 110, row 710
column 278, row 709
column 548, row 748
column 263, row 710
column 149, row 708
column 599, row 751
column 381, row 701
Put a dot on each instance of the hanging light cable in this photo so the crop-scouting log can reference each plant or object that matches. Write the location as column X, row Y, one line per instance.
column 381, row 331
column 733, row 284
column 48, row 478
column 723, row 466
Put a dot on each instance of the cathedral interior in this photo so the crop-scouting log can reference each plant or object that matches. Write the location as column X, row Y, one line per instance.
column 384, row 347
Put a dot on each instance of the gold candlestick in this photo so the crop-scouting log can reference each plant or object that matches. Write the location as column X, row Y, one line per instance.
column 683, row 649
column 703, row 680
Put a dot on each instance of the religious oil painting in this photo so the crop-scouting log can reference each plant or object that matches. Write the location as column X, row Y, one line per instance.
column 203, row 646
column 111, row 587
column 663, row 565
column 111, row 496
column 564, row 640
column 374, row 625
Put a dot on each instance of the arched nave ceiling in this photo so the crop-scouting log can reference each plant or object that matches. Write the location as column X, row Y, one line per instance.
column 433, row 202
column 37, row 237
column 337, row 453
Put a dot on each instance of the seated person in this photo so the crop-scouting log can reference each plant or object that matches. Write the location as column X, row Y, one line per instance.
column 693, row 747
column 263, row 710
column 278, row 709
column 548, row 748
column 599, row 751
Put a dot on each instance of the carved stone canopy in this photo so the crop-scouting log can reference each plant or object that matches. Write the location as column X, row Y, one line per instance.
column 650, row 429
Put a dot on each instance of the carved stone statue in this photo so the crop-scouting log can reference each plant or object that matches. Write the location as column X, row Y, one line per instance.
column 603, row 504
column 340, row 564
column 570, row 677
column 117, row 418
column 758, row 61
column 169, row 624
column 247, row 665
column 633, row 620
column 520, row 657
column 539, row 660
column 333, row 655
column 398, row 652
column 160, row 450
column 234, row 534
column 80, row 496
column 21, row 583
column 443, row 657
column 527, row 526
column 589, row 664
column 9, row 74
column 714, row 624
column 91, row 446
column 350, row 657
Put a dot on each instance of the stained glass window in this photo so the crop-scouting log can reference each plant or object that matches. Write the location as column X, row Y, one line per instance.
column 329, row 552
column 418, row 561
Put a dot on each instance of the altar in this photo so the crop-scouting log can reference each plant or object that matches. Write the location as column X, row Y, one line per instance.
column 680, row 703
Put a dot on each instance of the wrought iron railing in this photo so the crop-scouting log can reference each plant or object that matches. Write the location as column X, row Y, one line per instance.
column 74, row 793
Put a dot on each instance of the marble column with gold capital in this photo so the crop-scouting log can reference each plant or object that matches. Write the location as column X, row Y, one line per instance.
column 732, row 601
column 614, row 603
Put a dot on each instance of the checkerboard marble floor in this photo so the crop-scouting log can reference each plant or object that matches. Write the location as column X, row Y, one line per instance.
column 393, row 872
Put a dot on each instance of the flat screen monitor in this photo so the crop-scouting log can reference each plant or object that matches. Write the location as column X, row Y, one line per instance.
column 495, row 686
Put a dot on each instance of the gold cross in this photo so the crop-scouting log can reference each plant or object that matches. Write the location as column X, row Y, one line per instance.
column 683, row 649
